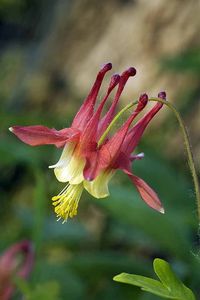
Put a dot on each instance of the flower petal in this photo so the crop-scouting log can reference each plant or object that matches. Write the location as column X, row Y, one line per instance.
column 134, row 134
column 73, row 172
column 70, row 166
column 66, row 156
column 146, row 192
column 42, row 135
column 98, row 187
column 86, row 111
column 105, row 121
column 88, row 139
column 112, row 148
column 92, row 165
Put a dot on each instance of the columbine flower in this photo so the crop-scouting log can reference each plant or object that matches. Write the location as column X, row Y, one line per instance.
column 16, row 261
column 88, row 161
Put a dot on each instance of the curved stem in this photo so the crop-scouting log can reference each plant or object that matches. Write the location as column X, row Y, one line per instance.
column 102, row 138
column 188, row 150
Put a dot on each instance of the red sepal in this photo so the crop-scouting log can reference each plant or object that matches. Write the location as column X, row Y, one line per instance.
column 42, row 135
column 146, row 192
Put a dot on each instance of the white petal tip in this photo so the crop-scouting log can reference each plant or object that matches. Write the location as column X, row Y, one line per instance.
column 57, row 165
column 10, row 129
column 140, row 155
column 162, row 211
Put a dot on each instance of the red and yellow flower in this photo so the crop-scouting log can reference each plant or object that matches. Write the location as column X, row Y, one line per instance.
column 90, row 155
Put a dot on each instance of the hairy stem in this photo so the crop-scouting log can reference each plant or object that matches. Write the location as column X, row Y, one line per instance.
column 188, row 150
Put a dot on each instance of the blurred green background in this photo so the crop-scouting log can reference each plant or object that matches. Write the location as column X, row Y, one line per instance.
column 50, row 52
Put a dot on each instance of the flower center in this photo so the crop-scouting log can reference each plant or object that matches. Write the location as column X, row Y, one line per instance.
column 66, row 202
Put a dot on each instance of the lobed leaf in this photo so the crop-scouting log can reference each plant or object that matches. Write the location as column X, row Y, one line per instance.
column 169, row 286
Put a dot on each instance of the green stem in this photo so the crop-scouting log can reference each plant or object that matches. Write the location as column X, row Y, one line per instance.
column 188, row 150
column 104, row 135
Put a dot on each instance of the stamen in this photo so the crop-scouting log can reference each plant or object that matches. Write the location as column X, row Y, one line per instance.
column 63, row 190
column 66, row 202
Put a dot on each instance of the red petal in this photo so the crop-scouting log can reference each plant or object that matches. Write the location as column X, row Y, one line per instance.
column 134, row 135
column 95, row 162
column 91, row 167
column 86, row 110
column 112, row 148
column 146, row 192
column 41, row 135
column 89, row 134
column 110, row 154
column 111, row 112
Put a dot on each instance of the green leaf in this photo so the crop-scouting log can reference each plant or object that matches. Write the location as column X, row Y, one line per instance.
column 169, row 279
column 169, row 286
column 147, row 284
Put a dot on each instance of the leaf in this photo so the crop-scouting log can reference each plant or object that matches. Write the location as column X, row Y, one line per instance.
column 169, row 279
column 169, row 286
column 147, row 284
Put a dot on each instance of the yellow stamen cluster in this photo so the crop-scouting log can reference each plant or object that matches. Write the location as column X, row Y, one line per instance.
column 66, row 202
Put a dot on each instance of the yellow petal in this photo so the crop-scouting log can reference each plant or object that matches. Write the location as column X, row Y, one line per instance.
column 65, row 157
column 99, row 186
column 72, row 172
column 70, row 166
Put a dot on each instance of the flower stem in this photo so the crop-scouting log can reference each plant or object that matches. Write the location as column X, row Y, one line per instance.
column 102, row 138
column 188, row 150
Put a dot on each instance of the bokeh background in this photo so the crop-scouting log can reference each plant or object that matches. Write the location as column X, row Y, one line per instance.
column 50, row 52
